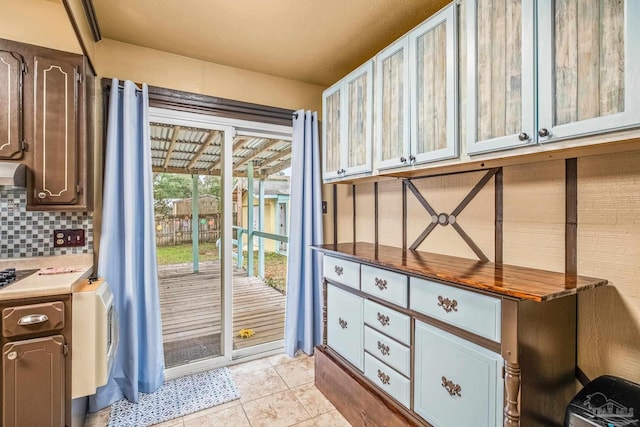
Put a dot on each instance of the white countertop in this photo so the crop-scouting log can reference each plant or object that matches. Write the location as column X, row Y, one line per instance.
column 37, row 285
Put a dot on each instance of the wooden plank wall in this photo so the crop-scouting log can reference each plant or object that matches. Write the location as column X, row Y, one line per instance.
column 534, row 226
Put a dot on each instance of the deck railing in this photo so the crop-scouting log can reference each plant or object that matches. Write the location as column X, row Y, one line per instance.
column 261, row 235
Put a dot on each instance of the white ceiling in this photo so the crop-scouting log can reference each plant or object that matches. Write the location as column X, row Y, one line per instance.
column 314, row 41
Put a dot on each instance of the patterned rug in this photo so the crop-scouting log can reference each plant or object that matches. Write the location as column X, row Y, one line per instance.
column 176, row 398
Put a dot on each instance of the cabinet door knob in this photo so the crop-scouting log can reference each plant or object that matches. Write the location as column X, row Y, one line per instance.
column 12, row 355
column 452, row 388
column 543, row 132
column 412, row 158
column 403, row 159
column 523, row 136
column 42, row 195
column 342, row 322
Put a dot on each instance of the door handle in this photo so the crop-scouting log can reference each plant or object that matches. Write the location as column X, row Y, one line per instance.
column 32, row 319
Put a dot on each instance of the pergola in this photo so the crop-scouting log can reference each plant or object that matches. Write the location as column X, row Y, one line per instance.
column 196, row 151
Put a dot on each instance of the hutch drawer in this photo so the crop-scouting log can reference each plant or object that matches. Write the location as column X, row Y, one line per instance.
column 390, row 381
column 471, row 311
column 388, row 350
column 385, row 285
column 388, row 321
column 342, row 271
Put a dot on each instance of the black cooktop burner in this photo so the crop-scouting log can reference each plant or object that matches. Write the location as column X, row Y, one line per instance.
column 11, row 275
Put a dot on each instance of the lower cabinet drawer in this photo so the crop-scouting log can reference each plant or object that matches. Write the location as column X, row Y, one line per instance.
column 471, row 311
column 387, row 321
column 457, row 383
column 344, row 324
column 387, row 350
column 342, row 271
column 385, row 378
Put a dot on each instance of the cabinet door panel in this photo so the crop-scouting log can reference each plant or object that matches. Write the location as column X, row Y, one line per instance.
column 11, row 127
column 392, row 87
column 33, row 374
column 433, row 48
column 589, row 66
column 359, row 122
column 444, row 361
column 331, row 132
column 500, row 74
column 55, row 132
column 345, row 329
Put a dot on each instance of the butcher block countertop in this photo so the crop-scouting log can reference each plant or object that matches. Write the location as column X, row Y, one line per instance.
column 66, row 273
column 506, row 280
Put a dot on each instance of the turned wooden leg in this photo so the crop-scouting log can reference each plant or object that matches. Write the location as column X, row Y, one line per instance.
column 324, row 312
column 512, row 389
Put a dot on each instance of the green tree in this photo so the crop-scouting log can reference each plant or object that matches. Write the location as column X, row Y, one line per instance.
column 169, row 186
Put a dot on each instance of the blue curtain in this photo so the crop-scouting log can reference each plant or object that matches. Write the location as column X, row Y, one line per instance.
column 127, row 257
column 303, row 322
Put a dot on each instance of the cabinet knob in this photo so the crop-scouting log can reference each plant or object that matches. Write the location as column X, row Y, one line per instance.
column 381, row 284
column 342, row 322
column 12, row 355
column 384, row 378
column 412, row 159
column 403, row 159
column 447, row 304
column 452, row 388
column 543, row 132
column 384, row 320
column 42, row 195
column 384, row 349
column 523, row 136
column 339, row 270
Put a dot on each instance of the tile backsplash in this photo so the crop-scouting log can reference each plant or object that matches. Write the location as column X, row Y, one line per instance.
column 30, row 234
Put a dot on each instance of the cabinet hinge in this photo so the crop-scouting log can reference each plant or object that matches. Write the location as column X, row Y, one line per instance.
column 65, row 349
column 78, row 76
column 78, row 188
column 503, row 372
column 23, row 68
column 23, row 145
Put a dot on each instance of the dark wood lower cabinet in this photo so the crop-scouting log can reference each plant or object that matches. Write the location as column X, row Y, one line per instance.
column 34, row 382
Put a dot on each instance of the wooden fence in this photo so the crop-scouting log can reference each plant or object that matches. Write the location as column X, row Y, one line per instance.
column 176, row 230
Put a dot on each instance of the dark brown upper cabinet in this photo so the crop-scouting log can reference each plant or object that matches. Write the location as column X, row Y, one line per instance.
column 55, row 132
column 12, row 69
column 45, row 105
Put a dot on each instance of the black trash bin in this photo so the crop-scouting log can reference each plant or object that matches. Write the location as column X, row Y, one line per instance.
column 607, row 401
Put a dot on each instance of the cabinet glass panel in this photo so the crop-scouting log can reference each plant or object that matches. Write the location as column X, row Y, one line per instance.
column 332, row 131
column 433, row 56
column 431, row 84
column 501, row 70
column 392, row 109
column 357, row 137
column 589, row 59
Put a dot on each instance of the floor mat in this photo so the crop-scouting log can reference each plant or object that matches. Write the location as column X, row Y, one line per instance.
column 176, row 398
column 184, row 351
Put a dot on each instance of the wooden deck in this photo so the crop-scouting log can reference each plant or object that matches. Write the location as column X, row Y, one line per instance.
column 190, row 306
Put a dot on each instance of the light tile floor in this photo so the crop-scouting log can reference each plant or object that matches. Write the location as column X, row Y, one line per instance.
column 275, row 391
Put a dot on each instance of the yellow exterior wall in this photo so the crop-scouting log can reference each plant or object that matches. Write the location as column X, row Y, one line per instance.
column 533, row 236
column 37, row 22
column 270, row 214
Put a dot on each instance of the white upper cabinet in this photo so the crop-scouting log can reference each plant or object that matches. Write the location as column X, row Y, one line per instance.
column 589, row 67
column 433, row 55
column 500, row 74
column 575, row 72
column 416, row 99
column 392, row 105
column 348, row 124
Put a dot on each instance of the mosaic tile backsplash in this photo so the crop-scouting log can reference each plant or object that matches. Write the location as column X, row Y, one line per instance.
column 30, row 234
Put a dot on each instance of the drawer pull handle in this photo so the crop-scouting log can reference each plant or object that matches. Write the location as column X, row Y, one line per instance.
column 452, row 388
column 447, row 304
column 339, row 270
column 381, row 284
column 384, row 349
column 384, row 320
column 342, row 322
column 384, row 378
column 32, row 319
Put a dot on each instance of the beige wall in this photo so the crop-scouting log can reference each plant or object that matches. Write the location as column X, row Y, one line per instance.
column 38, row 22
column 139, row 64
column 533, row 227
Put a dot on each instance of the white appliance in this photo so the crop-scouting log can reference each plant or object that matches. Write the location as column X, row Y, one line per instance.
column 94, row 337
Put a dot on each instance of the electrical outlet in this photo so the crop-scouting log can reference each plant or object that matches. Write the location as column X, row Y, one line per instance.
column 68, row 238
